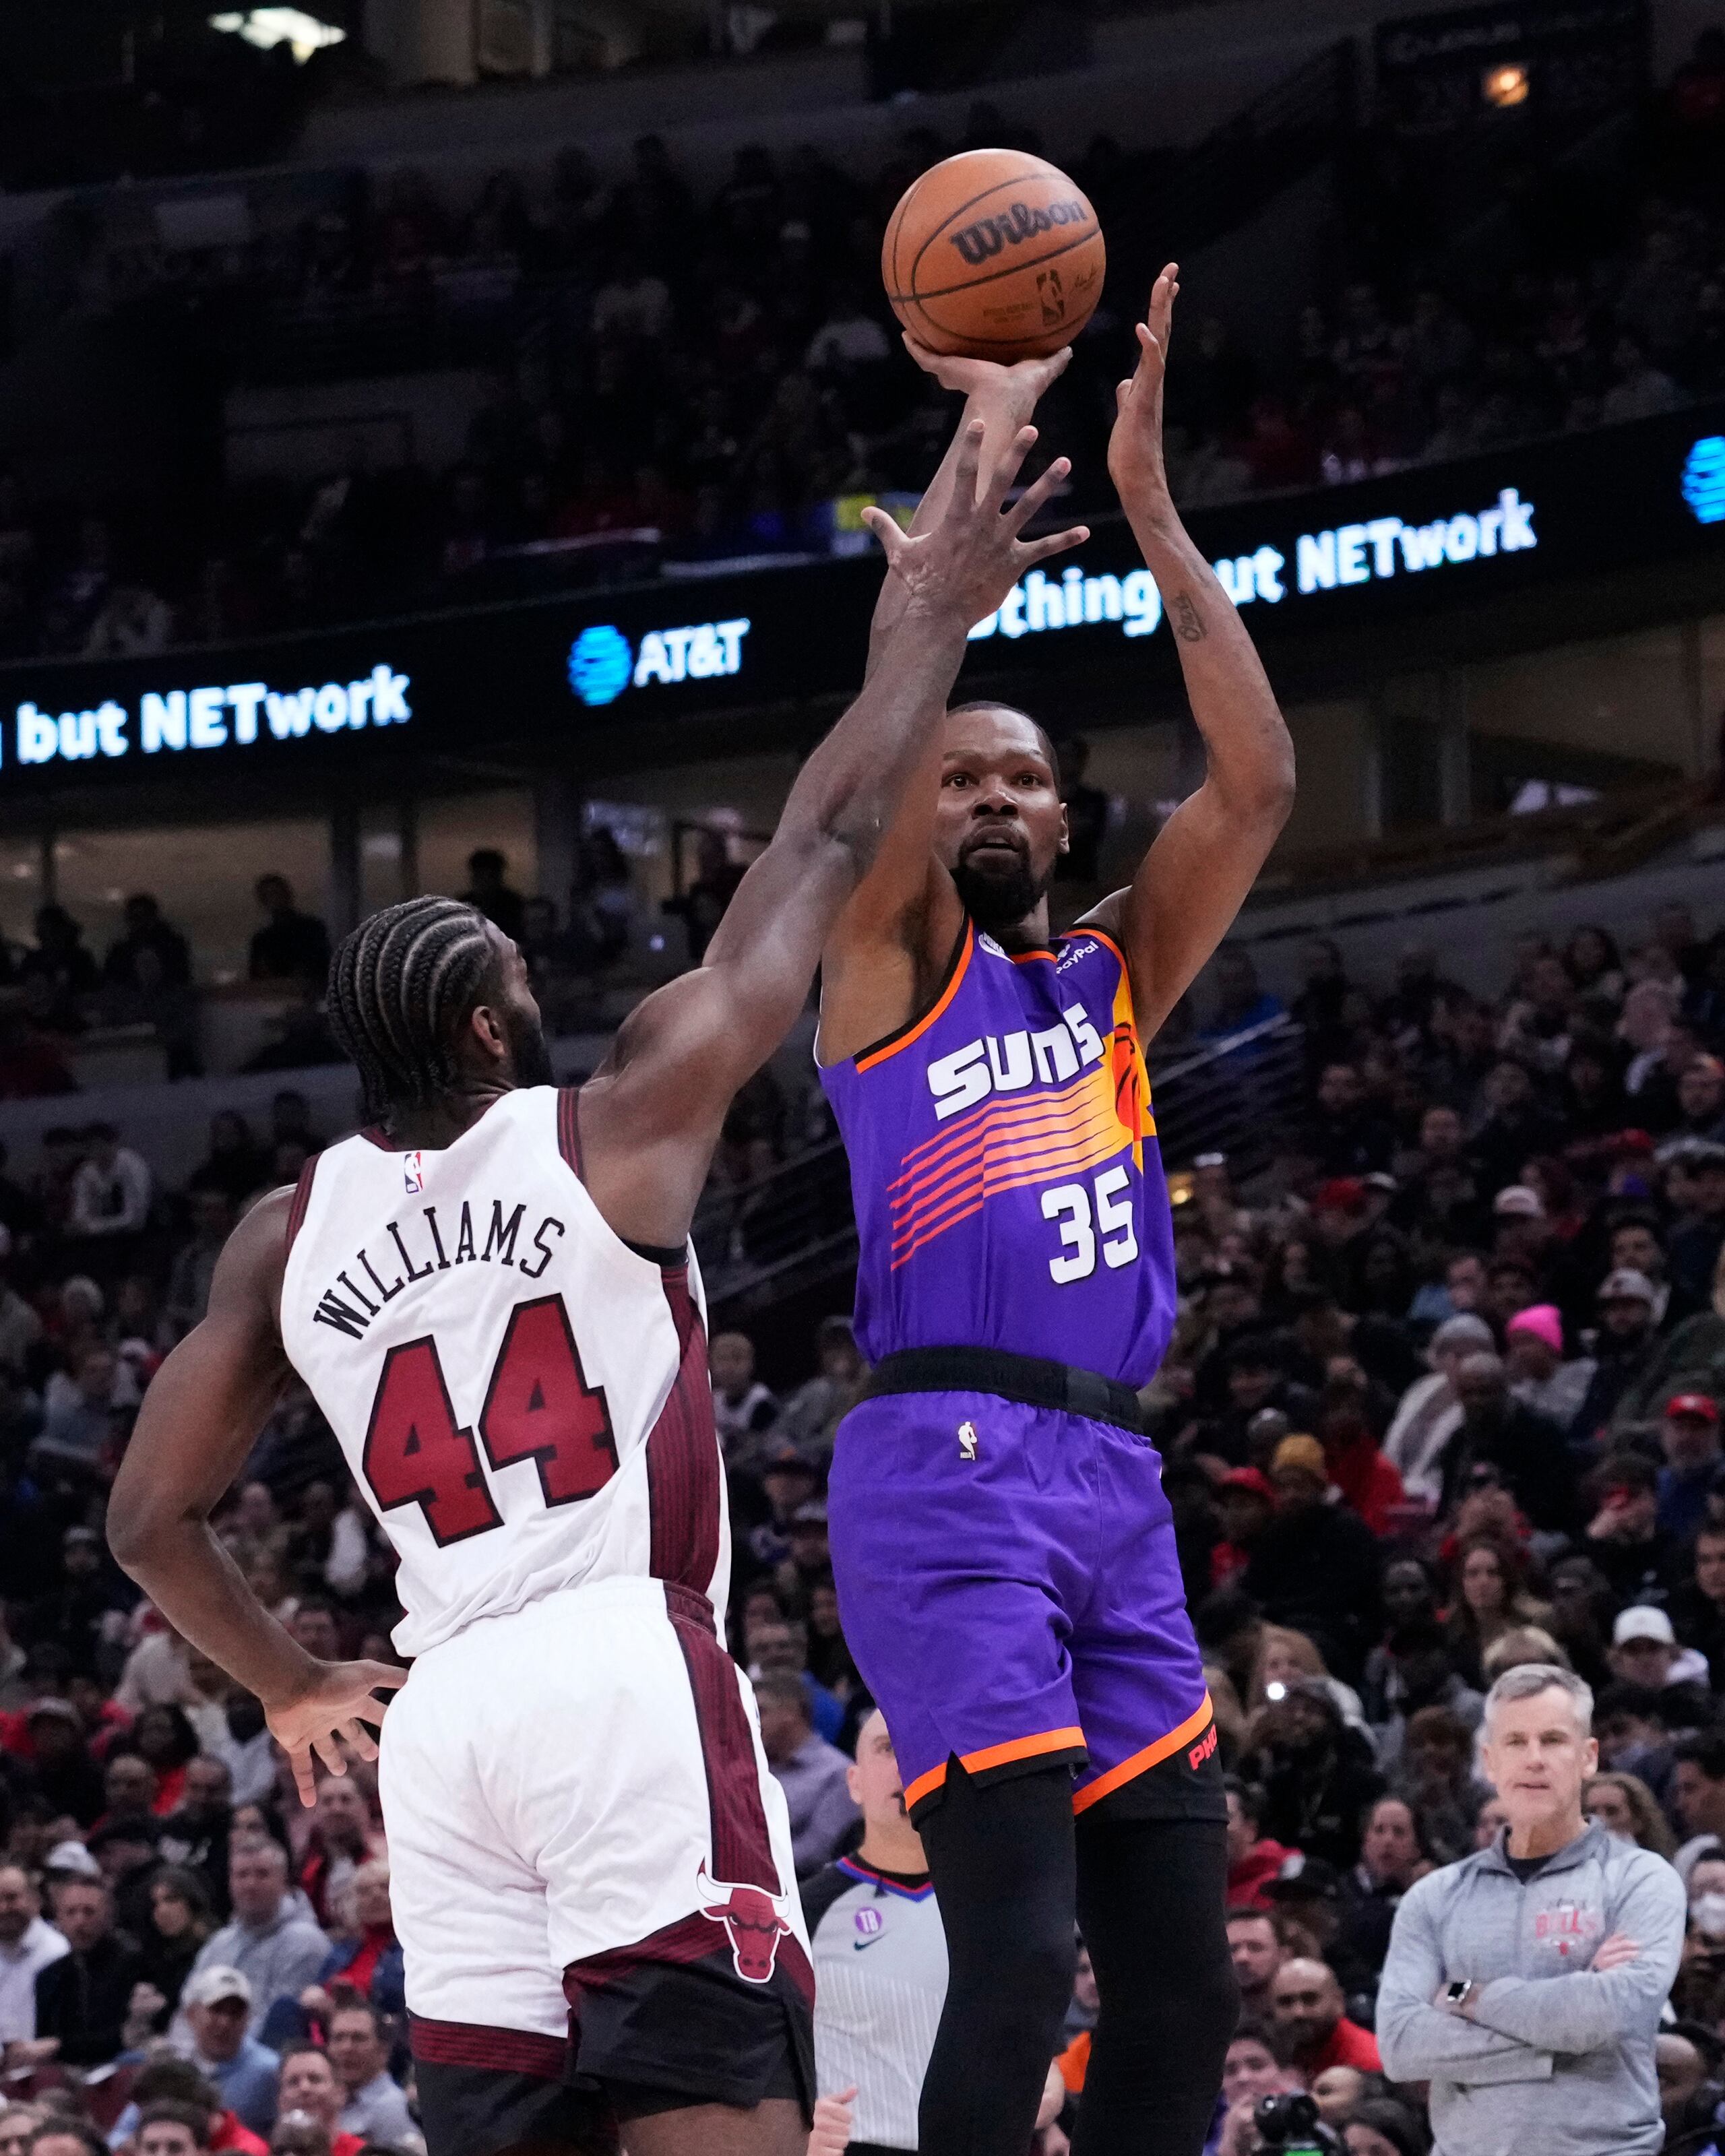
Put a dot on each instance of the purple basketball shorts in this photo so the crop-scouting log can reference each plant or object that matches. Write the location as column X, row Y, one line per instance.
column 1009, row 1586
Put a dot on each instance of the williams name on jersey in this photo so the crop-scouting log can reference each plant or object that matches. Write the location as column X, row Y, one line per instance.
column 522, row 1398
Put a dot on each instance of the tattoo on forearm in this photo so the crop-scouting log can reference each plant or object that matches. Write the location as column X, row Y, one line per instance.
column 1189, row 623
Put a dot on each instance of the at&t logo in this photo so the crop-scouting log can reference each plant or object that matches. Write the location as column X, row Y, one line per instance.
column 603, row 663
column 1704, row 479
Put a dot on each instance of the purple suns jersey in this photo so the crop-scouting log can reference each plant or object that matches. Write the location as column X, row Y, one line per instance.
column 1004, row 1162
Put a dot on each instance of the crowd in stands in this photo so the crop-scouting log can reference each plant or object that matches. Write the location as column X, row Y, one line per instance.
column 727, row 368
column 55, row 990
column 1442, row 1397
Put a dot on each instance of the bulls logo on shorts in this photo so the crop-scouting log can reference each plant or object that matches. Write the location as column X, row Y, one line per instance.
column 753, row 1924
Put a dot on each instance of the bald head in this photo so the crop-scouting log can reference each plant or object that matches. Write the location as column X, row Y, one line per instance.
column 1306, row 2001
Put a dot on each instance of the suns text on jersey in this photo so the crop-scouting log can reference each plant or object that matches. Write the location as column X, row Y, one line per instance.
column 413, row 1248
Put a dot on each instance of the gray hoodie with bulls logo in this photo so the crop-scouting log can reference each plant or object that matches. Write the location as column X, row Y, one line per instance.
column 1557, row 2058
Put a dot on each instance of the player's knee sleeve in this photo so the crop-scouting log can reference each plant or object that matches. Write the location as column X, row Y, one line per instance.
column 1018, row 1977
column 1001, row 1857
column 1201, row 2010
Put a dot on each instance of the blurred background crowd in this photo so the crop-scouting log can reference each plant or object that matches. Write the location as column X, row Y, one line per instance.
column 689, row 374
column 1444, row 1395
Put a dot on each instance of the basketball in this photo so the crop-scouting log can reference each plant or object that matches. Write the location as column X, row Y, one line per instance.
column 994, row 253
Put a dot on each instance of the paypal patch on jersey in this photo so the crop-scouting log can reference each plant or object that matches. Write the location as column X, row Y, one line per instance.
column 1008, row 1186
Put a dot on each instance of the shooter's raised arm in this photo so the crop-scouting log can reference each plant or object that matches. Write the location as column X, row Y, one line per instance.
column 1195, row 877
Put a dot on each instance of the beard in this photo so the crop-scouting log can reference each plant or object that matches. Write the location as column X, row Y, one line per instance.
column 998, row 888
column 530, row 1052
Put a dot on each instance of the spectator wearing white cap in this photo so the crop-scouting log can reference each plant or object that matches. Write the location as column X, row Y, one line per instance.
column 1430, row 1413
column 214, row 2010
column 1539, row 1377
column 1644, row 1650
column 1520, row 1227
column 1628, row 1303
column 1689, row 1432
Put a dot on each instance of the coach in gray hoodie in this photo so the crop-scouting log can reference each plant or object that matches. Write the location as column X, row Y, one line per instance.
column 1525, row 1983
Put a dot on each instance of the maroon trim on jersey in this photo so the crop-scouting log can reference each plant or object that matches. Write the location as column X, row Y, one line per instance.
column 689, row 1940
column 686, row 1492
column 375, row 1134
column 302, row 1198
column 472, row 2044
column 741, row 1847
column 569, row 1126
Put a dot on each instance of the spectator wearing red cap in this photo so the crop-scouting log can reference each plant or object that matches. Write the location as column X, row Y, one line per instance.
column 1356, row 1467
column 1341, row 1217
column 1538, row 1376
column 1689, row 1432
column 1245, row 1500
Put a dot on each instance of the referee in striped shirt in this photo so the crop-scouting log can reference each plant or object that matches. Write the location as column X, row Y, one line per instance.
column 879, row 1958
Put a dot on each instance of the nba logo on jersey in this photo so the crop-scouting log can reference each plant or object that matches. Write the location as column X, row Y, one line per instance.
column 412, row 1174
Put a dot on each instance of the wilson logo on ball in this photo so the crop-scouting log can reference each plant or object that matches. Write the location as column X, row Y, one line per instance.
column 976, row 242
column 995, row 254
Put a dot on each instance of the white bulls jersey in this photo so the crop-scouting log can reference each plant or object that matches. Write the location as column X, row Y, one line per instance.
column 523, row 1398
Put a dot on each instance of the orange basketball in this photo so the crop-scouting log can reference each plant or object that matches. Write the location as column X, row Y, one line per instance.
column 995, row 254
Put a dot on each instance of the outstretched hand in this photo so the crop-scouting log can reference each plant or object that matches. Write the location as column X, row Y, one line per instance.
column 1135, row 460
column 971, row 559
column 331, row 1712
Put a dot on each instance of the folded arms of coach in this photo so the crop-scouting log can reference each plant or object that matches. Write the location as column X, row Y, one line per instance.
column 1592, row 2009
column 1420, row 2042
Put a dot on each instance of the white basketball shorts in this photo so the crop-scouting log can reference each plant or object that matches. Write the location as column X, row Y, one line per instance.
column 583, row 1837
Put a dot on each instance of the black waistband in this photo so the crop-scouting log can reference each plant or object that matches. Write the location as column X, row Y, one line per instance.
column 1026, row 1378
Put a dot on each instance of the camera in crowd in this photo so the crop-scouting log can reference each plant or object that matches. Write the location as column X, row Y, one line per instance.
column 1290, row 2124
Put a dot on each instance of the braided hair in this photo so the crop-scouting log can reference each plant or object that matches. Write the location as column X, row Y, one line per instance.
column 399, row 987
